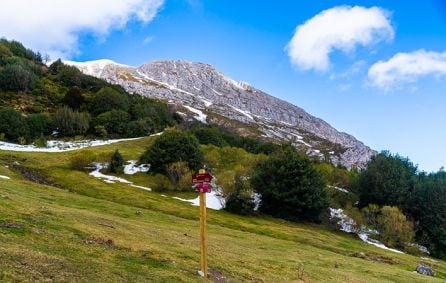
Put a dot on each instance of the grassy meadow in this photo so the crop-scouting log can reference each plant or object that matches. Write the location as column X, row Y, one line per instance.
column 77, row 228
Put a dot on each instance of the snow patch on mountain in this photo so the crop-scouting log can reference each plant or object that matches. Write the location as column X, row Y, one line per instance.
column 206, row 87
column 200, row 115
column 94, row 68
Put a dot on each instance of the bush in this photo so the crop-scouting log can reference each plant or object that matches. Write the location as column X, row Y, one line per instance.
column 13, row 124
column 70, row 123
column 69, row 75
column 82, row 160
column 180, row 176
column 141, row 127
column 107, row 99
column 17, row 77
column 240, row 201
column 290, row 187
column 38, row 124
column 394, row 229
column 40, row 142
column 161, row 183
column 74, row 98
column 116, row 163
column 114, row 121
column 173, row 146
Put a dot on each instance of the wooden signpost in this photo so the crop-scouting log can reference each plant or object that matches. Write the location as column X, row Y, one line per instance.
column 202, row 180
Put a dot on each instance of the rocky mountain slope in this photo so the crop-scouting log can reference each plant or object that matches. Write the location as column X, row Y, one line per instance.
column 200, row 91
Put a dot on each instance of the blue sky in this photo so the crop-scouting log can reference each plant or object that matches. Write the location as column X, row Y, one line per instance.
column 364, row 88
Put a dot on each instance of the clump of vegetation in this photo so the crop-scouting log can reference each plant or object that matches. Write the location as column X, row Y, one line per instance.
column 290, row 187
column 82, row 160
column 180, row 176
column 388, row 180
column 173, row 146
column 214, row 135
column 395, row 230
column 116, row 163
column 241, row 201
column 391, row 180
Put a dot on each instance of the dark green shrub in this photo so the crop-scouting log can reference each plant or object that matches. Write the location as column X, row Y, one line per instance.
column 114, row 121
column 116, row 163
column 290, row 187
column 170, row 147
column 108, row 99
column 13, row 124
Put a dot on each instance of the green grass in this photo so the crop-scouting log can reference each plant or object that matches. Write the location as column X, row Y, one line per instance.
column 85, row 230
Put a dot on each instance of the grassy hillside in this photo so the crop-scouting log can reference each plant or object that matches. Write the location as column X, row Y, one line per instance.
column 78, row 228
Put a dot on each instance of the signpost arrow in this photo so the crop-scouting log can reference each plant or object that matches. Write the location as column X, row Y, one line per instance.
column 200, row 178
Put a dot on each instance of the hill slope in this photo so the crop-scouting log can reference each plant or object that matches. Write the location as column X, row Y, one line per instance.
column 80, row 228
column 210, row 96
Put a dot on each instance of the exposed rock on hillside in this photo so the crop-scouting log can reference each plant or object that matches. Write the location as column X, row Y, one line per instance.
column 209, row 96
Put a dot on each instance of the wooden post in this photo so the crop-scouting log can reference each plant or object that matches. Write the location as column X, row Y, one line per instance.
column 203, row 235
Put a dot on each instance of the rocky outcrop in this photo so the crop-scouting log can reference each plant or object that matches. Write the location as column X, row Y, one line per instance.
column 208, row 94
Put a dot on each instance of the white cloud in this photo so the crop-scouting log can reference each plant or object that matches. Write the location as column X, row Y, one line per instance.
column 54, row 26
column 407, row 68
column 341, row 28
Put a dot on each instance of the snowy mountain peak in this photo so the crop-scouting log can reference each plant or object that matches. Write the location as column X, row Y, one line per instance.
column 95, row 68
column 203, row 93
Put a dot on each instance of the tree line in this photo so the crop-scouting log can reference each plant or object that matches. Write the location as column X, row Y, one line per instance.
column 37, row 101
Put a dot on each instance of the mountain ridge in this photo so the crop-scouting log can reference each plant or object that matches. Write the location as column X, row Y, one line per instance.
column 208, row 95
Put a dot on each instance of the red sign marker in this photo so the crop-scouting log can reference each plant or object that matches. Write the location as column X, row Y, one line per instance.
column 201, row 178
column 204, row 187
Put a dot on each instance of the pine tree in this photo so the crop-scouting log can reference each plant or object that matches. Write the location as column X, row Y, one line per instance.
column 116, row 163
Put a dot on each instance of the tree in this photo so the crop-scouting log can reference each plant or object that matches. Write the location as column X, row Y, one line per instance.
column 141, row 127
column 107, row 99
column 388, row 180
column 116, row 163
column 69, row 75
column 114, row 121
column 428, row 207
column 240, row 201
column 56, row 66
column 170, row 147
column 74, row 98
column 290, row 187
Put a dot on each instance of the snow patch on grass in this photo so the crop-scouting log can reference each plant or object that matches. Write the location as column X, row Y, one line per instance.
column 60, row 146
column 4, row 177
column 348, row 225
column 112, row 179
column 214, row 200
column 131, row 168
